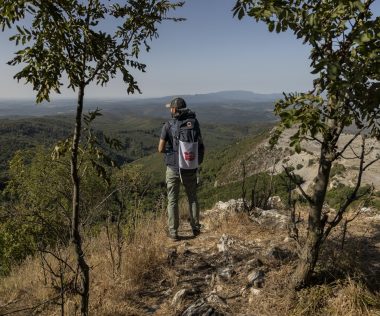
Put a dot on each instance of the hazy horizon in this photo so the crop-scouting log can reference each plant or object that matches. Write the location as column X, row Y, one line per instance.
column 134, row 96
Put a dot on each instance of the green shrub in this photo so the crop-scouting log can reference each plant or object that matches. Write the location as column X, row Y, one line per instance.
column 337, row 170
column 375, row 203
column 38, row 204
column 209, row 195
column 311, row 162
column 336, row 196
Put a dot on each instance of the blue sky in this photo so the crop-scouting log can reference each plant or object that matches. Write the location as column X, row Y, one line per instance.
column 210, row 51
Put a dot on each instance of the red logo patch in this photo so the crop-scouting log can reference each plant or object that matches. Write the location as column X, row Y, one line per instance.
column 189, row 156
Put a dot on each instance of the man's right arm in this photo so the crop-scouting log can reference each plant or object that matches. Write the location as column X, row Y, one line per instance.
column 163, row 139
column 161, row 145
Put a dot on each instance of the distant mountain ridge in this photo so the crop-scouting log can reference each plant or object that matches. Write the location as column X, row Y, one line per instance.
column 221, row 96
column 237, row 95
column 234, row 99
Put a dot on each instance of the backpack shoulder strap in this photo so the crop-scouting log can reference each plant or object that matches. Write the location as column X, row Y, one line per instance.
column 174, row 126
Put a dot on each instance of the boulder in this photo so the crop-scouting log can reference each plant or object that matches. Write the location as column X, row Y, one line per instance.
column 226, row 273
column 278, row 253
column 254, row 263
column 201, row 308
column 275, row 202
column 225, row 242
column 179, row 296
column 271, row 218
column 256, row 278
column 231, row 205
column 215, row 299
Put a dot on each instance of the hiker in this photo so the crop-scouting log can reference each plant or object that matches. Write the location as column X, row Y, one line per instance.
column 182, row 144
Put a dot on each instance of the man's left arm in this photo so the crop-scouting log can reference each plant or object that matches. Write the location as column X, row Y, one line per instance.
column 201, row 146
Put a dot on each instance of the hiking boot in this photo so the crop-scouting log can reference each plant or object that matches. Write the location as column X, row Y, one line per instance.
column 196, row 232
column 174, row 237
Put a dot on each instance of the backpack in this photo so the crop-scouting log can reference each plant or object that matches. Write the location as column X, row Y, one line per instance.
column 185, row 142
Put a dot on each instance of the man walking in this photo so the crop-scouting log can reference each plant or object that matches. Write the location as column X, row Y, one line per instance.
column 182, row 144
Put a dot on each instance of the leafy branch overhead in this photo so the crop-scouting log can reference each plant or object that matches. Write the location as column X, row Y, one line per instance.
column 344, row 37
column 66, row 37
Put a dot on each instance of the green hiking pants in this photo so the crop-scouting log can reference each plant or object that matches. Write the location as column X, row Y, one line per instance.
column 173, row 183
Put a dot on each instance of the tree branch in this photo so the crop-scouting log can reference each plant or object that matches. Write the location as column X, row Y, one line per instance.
column 351, row 197
column 370, row 163
column 355, row 154
column 57, row 258
column 313, row 138
column 338, row 154
column 349, row 158
column 32, row 307
column 294, row 180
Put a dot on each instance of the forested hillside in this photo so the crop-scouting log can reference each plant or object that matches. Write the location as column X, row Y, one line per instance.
column 138, row 135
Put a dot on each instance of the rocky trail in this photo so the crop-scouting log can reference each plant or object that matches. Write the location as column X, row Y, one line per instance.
column 239, row 265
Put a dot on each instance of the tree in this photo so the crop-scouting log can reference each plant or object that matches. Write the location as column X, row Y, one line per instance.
column 68, row 38
column 344, row 38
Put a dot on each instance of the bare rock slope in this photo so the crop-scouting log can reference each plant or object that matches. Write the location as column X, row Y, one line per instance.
column 262, row 158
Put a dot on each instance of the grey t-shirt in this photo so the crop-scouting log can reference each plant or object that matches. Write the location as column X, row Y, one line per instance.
column 171, row 158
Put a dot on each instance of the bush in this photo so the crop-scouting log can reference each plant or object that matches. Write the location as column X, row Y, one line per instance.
column 335, row 197
column 209, row 195
column 38, row 204
column 337, row 170
column 311, row 162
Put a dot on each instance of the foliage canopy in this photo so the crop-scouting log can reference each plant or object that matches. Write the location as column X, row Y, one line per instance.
column 67, row 37
column 344, row 38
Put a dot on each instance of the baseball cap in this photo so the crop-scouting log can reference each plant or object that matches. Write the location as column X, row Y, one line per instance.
column 178, row 103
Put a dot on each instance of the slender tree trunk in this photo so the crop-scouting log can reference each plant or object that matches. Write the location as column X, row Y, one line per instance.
column 75, row 233
column 316, row 223
column 62, row 285
column 120, row 240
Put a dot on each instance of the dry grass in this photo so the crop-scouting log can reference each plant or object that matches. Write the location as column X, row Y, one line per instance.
column 31, row 288
column 352, row 298
column 275, row 298
column 145, row 274
column 231, row 224
column 24, row 287
column 346, row 297
column 143, row 259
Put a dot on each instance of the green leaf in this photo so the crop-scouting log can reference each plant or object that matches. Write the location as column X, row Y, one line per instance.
column 365, row 37
column 278, row 27
column 297, row 147
column 271, row 26
column 241, row 13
